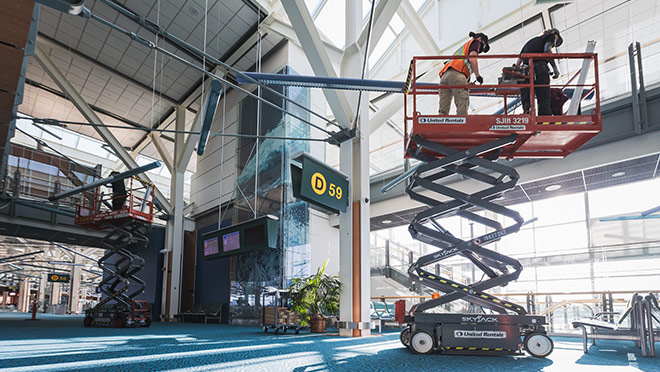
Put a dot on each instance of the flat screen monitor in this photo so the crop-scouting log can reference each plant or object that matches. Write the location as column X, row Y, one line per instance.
column 231, row 241
column 211, row 247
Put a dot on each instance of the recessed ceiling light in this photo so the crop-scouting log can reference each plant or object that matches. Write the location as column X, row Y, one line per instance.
column 618, row 174
column 553, row 187
column 386, row 221
column 193, row 11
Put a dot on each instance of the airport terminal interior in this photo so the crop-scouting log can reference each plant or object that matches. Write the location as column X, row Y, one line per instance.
column 329, row 185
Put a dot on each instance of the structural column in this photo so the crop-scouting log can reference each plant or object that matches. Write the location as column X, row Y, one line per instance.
column 74, row 286
column 55, row 293
column 24, row 296
column 354, row 224
column 41, row 296
column 174, row 229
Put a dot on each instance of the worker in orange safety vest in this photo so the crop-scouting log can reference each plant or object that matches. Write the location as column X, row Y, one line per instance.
column 458, row 72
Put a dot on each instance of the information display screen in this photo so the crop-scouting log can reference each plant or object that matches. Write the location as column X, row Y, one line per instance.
column 231, row 241
column 211, row 246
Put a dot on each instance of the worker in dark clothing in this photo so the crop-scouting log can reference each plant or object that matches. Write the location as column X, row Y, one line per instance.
column 541, row 44
column 118, row 193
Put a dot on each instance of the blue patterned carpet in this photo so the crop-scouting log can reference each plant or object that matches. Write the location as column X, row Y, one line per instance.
column 61, row 343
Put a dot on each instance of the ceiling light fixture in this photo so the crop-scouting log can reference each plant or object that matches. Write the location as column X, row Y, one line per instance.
column 386, row 221
column 553, row 187
column 618, row 174
column 193, row 11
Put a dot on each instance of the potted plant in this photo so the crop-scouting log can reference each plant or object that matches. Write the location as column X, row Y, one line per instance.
column 315, row 297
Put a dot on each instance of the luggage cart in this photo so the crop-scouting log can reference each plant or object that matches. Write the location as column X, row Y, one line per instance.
column 278, row 317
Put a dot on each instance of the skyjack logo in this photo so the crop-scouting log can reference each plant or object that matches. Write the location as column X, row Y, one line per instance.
column 479, row 319
column 446, row 252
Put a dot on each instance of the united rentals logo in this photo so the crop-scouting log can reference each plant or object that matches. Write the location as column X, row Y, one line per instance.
column 479, row 334
column 508, row 127
column 479, row 319
column 442, row 120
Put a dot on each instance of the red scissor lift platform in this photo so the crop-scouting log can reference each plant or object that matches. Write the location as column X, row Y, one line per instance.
column 469, row 146
column 538, row 136
column 95, row 209
column 121, row 264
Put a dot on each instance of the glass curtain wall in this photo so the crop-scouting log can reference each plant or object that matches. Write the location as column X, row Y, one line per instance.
column 567, row 250
column 263, row 165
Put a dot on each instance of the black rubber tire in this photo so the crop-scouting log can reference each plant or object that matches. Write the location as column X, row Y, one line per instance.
column 423, row 338
column 277, row 330
column 88, row 321
column 538, row 345
column 147, row 322
column 404, row 337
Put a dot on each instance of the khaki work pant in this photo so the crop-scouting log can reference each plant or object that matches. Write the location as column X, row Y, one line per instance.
column 460, row 95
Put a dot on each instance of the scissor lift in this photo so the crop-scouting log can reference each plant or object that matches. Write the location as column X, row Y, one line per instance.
column 128, row 226
column 469, row 146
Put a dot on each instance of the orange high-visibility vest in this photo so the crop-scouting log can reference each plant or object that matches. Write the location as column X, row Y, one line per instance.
column 460, row 65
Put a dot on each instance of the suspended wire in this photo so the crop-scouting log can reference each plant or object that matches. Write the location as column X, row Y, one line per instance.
column 56, row 122
column 150, row 26
column 364, row 62
column 258, row 68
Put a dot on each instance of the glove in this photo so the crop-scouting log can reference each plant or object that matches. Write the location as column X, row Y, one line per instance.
column 555, row 74
column 480, row 80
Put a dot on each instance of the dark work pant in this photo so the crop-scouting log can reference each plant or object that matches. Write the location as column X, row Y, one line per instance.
column 118, row 202
column 541, row 77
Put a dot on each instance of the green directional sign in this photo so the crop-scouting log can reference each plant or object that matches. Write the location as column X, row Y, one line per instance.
column 319, row 184
column 59, row 278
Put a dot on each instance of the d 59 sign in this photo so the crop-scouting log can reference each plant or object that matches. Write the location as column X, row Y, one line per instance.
column 319, row 184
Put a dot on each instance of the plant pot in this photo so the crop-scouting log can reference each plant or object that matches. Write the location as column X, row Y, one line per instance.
column 317, row 324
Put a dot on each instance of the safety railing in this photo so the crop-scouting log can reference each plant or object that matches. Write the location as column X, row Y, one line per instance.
column 34, row 175
column 559, row 308
column 421, row 113
column 137, row 202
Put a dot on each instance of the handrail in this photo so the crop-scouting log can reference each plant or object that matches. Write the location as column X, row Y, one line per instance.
column 534, row 294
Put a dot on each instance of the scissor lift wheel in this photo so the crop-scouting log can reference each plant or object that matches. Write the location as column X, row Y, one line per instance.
column 404, row 337
column 538, row 345
column 421, row 342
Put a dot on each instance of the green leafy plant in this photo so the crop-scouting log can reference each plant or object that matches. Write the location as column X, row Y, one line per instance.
column 315, row 295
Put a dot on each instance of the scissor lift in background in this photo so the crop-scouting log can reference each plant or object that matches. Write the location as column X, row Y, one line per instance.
column 128, row 227
column 469, row 146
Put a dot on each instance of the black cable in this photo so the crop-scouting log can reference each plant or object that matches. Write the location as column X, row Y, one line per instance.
column 364, row 62
column 149, row 130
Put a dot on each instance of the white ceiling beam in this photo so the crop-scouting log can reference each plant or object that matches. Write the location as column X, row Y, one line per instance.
column 309, row 38
column 417, row 29
column 162, row 150
column 286, row 31
column 91, row 117
column 382, row 17
column 392, row 105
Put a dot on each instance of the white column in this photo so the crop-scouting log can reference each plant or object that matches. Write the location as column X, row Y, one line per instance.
column 74, row 286
column 175, row 224
column 55, row 293
column 41, row 296
column 24, row 296
column 354, row 224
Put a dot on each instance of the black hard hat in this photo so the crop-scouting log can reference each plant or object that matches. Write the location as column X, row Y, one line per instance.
column 555, row 31
column 484, row 38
